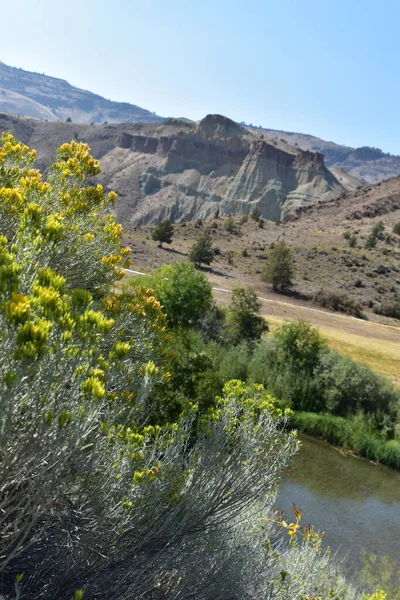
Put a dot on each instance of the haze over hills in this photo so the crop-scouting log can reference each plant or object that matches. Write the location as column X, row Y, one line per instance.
column 43, row 97
column 183, row 170
column 49, row 98
column 365, row 163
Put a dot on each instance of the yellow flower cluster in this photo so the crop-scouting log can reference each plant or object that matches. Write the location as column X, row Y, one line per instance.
column 378, row 595
column 15, row 152
column 11, row 200
column 295, row 529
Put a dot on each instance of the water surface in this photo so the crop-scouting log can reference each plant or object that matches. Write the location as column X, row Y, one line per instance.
column 356, row 503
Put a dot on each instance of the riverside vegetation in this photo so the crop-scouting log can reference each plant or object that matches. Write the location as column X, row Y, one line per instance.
column 121, row 474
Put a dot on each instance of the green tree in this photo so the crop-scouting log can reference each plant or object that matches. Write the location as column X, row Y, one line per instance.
column 279, row 268
column 183, row 292
column 299, row 343
column 202, row 251
column 163, row 232
column 243, row 321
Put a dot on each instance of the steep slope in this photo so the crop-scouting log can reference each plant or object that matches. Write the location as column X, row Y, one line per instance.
column 358, row 208
column 184, row 171
column 319, row 237
column 44, row 97
column 369, row 164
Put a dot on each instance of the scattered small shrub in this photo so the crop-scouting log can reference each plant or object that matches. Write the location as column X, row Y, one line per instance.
column 245, row 252
column 352, row 241
column 229, row 225
column 255, row 213
column 378, row 228
column 396, row 228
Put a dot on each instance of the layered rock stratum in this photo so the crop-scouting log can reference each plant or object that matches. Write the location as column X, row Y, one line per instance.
column 184, row 170
column 371, row 165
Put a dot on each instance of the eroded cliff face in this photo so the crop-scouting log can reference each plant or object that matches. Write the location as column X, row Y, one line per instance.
column 183, row 172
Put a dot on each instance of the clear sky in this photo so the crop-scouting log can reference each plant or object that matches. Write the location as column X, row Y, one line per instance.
column 329, row 68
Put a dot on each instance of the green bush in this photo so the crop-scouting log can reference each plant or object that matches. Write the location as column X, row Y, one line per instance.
column 243, row 321
column 229, row 225
column 184, row 292
column 389, row 308
column 255, row 213
column 378, row 228
column 338, row 302
column 353, row 241
column 396, row 228
column 349, row 387
column 231, row 362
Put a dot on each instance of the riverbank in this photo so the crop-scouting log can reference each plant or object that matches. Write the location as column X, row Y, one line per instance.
column 356, row 503
column 351, row 434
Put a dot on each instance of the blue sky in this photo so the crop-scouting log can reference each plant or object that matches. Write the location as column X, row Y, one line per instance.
column 327, row 68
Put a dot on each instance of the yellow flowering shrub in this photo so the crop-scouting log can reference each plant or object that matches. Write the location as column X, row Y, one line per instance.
column 96, row 500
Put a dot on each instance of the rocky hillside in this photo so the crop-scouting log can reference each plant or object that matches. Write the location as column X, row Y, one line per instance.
column 185, row 171
column 329, row 243
column 43, row 97
column 368, row 164
column 355, row 209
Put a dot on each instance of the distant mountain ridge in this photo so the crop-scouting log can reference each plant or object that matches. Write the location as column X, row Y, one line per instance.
column 366, row 163
column 44, row 97
column 52, row 99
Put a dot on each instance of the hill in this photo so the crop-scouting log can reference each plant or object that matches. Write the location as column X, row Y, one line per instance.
column 369, row 164
column 43, row 97
column 370, row 277
column 183, row 170
column 52, row 99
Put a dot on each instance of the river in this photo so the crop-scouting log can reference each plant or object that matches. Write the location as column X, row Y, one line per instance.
column 356, row 503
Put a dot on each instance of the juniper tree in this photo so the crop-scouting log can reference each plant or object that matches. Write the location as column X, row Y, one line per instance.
column 278, row 268
column 163, row 232
column 202, row 250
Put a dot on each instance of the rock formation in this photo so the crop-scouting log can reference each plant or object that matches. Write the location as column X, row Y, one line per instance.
column 182, row 170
